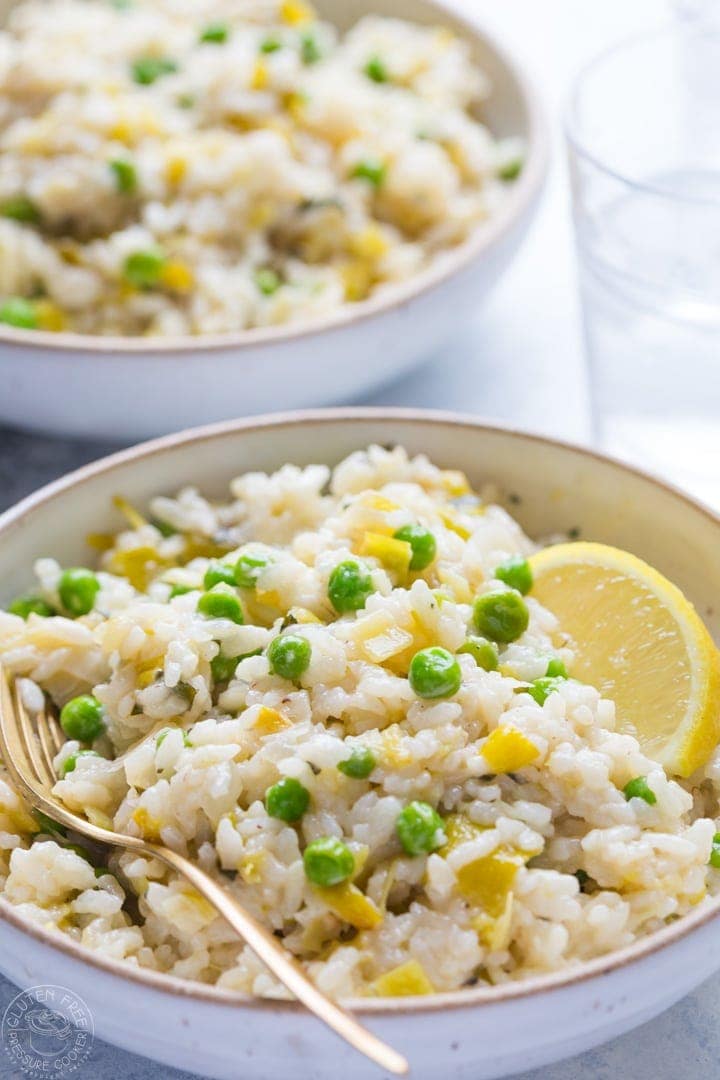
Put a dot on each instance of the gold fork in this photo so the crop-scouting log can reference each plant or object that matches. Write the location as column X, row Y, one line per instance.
column 28, row 747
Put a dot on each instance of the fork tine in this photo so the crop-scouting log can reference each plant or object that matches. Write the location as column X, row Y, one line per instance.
column 15, row 749
column 14, row 753
column 56, row 732
column 32, row 748
column 47, row 743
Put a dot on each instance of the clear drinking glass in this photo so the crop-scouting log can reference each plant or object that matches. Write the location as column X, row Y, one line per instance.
column 644, row 141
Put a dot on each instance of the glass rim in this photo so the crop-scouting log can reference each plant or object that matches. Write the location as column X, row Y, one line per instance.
column 684, row 28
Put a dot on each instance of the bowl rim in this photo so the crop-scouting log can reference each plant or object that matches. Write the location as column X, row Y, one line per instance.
column 485, row 236
column 470, row 998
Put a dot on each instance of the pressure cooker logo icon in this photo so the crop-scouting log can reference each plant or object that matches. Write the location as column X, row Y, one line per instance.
column 47, row 1030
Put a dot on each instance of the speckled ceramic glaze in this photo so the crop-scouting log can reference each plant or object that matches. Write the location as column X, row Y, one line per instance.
column 480, row 1033
column 138, row 387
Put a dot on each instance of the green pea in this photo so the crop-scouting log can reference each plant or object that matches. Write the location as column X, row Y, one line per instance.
column 223, row 667
column 70, row 763
column 420, row 829
column 147, row 69
column 18, row 312
column 82, row 718
column 287, row 800
column 270, row 45
column 511, row 169
column 289, row 656
column 638, row 788
column 215, row 33
column 349, row 586
column 501, row 616
column 267, row 280
column 219, row 604
column 370, row 170
column 715, row 852
column 359, row 765
column 20, row 208
column 556, row 669
column 77, row 589
column 181, row 590
column 30, row 605
column 248, row 569
column 124, row 174
column 434, row 673
column 483, row 652
column 516, row 573
column 144, row 268
column 376, row 70
column 328, row 861
column 310, row 50
column 218, row 573
column 541, row 689
column 422, row 542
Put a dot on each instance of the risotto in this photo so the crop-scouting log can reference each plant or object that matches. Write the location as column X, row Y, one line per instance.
column 362, row 723
column 172, row 167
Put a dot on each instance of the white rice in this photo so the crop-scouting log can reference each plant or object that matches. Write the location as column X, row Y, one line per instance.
column 245, row 161
column 561, row 866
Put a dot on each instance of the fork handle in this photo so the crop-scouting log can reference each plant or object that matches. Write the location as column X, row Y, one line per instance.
column 22, row 769
column 282, row 964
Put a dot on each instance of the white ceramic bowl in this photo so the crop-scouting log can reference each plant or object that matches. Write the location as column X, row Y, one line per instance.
column 127, row 388
column 481, row 1033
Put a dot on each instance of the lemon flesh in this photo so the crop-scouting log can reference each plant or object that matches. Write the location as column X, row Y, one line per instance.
column 640, row 642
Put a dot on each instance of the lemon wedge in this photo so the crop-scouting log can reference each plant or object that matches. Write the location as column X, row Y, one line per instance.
column 641, row 643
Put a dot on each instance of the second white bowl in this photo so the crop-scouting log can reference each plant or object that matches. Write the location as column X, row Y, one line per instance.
column 129, row 388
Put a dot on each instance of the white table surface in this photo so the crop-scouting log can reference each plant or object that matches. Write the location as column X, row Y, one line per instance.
column 520, row 361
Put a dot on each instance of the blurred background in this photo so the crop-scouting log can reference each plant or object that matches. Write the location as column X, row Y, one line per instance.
column 521, row 359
